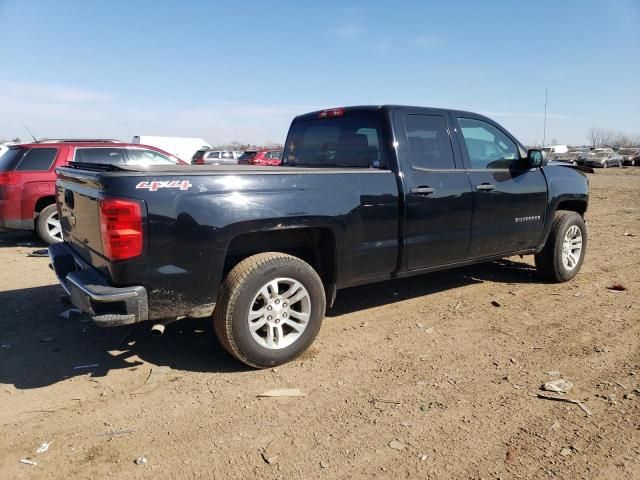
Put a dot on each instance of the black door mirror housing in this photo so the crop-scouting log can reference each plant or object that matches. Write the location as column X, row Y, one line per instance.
column 535, row 158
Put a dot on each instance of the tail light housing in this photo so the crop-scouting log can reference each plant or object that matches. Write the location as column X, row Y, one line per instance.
column 121, row 228
column 332, row 112
column 9, row 178
column 200, row 161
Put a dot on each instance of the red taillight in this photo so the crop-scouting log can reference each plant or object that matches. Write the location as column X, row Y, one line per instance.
column 9, row 178
column 200, row 161
column 120, row 228
column 332, row 112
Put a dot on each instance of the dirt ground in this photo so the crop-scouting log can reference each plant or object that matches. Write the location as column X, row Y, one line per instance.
column 427, row 364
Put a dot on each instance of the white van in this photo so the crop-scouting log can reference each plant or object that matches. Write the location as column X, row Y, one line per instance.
column 182, row 147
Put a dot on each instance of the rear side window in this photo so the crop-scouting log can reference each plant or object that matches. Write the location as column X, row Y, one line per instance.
column 352, row 141
column 247, row 155
column 113, row 156
column 429, row 142
column 38, row 159
column 143, row 156
column 213, row 155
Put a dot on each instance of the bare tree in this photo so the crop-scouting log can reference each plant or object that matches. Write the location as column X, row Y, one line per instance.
column 599, row 137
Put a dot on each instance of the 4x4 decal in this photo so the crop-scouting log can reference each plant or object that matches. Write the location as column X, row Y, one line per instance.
column 155, row 185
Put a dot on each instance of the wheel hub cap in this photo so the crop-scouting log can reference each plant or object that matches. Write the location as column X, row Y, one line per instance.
column 572, row 247
column 279, row 313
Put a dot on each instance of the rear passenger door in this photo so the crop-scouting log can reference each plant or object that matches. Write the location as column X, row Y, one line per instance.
column 438, row 205
column 509, row 199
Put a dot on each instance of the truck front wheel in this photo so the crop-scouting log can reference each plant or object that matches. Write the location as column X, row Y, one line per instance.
column 270, row 309
column 562, row 256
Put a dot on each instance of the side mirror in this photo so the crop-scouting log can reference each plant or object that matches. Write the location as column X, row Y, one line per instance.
column 535, row 158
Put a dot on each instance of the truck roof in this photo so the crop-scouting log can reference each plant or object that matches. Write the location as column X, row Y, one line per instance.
column 387, row 107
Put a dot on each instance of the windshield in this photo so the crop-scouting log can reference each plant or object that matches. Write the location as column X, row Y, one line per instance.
column 351, row 141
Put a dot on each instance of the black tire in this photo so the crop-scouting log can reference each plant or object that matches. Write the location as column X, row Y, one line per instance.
column 230, row 318
column 43, row 229
column 549, row 261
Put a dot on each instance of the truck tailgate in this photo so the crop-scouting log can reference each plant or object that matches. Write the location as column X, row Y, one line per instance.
column 77, row 199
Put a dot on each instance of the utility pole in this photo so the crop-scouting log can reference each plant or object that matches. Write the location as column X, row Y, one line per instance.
column 544, row 131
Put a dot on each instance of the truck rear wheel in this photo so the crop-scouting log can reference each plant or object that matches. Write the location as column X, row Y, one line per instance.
column 562, row 256
column 270, row 309
column 48, row 225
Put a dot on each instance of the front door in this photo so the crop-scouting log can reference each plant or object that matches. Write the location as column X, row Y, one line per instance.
column 509, row 199
column 438, row 204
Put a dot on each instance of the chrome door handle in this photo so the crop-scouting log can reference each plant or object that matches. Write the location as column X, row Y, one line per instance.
column 485, row 187
column 423, row 190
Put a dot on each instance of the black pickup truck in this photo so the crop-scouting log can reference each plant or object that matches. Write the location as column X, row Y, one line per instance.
column 363, row 194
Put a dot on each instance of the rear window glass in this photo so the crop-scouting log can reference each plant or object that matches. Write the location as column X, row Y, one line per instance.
column 38, row 159
column 113, row 156
column 353, row 141
column 10, row 158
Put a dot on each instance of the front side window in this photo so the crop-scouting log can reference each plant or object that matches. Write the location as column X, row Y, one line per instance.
column 352, row 141
column 38, row 159
column 139, row 156
column 429, row 142
column 488, row 147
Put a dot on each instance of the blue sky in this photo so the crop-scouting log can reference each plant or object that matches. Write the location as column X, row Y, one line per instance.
column 241, row 70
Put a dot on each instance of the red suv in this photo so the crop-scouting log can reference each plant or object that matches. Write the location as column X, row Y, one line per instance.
column 261, row 157
column 28, row 178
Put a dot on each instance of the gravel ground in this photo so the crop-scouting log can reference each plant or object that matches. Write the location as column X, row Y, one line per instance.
column 419, row 378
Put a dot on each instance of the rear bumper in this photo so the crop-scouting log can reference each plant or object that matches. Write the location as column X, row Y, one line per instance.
column 89, row 291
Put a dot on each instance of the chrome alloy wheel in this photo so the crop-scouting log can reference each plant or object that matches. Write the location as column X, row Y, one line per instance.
column 572, row 247
column 279, row 313
column 53, row 226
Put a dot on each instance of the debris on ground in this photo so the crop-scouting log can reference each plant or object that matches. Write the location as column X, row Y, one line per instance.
column 566, row 452
column 115, row 433
column 510, row 457
column 553, row 373
column 629, row 234
column 89, row 365
column 26, row 244
column 564, row 399
column 396, row 445
column 44, row 447
column 141, row 460
column 496, row 303
column 26, row 461
column 156, row 375
column 559, row 386
column 283, row 392
column 270, row 459
column 617, row 287
column 39, row 253
column 324, row 464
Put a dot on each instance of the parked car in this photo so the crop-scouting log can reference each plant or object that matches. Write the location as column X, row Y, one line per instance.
column 603, row 158
column 261, row 157
column 630, row 156
column 27, row 178
column 575, row 156
column 364, row 194
column 216, row 157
